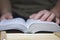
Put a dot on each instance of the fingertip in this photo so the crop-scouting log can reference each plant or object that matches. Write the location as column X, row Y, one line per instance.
column 10, row 17
column 57, row 20
column 51, row 17
column 32, row 16
column 2, row 18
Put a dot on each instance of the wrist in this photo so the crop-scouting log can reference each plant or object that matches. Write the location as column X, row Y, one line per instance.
column 5, row 12
column 56, row 12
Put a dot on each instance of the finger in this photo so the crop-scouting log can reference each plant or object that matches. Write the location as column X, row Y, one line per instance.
column 39, row 15
column 9, row 17
column 51, row 17
column 57, row 20
column 32, row 16
column 2, row 18
column 45, row 16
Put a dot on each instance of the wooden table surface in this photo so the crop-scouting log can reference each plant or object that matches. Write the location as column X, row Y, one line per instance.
column 42, row 36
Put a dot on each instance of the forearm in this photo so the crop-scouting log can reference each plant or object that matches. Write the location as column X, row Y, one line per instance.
column 5, row 6
column 56, row 9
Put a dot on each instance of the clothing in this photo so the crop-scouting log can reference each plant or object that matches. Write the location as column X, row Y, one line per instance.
column 27, row 7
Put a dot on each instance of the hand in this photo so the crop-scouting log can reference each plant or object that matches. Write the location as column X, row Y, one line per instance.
column 45, row 15
column 6, row 16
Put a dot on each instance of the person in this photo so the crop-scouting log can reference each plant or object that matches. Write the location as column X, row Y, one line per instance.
column 44, row 10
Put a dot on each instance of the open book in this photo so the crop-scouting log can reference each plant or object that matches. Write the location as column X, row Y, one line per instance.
column 28, row 26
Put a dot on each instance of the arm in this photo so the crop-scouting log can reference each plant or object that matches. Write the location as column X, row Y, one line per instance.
column 6, row 10
column 56, row 9
column 45, row 15
column 5, row 6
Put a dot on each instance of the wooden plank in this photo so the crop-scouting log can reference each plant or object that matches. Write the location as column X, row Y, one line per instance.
column 57, row 34
column 20, row 36
column 42, row 36
column 3, row 35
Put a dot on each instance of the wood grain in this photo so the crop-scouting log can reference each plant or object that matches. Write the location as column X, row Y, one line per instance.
column 42, row 36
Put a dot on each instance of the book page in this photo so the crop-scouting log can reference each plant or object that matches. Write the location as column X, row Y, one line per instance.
column 17, row 23
column 37, row 25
